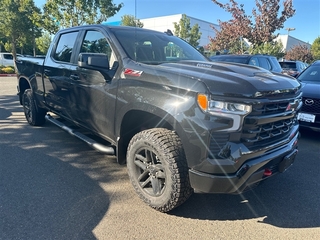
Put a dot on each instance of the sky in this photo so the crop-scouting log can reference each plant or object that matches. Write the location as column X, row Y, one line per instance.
column 306, row 20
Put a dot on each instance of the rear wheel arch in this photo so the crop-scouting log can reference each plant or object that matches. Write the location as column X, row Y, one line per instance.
column 34, row 115
column 23, row 86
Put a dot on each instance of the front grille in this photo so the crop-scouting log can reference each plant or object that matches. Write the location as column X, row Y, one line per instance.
column 309, row 106
column 269, row 123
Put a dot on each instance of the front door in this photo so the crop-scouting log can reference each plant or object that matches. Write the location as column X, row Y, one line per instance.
column 93, row 97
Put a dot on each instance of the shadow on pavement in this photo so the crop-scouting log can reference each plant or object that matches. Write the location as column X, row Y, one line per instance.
column 44, row 198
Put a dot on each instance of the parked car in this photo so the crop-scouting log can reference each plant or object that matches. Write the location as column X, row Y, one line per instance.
column 292, row 68
column 261, row 60
column 309, row 116
column 6, row 59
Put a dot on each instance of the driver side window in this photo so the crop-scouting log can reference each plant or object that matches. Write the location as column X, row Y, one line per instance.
column 96, row 42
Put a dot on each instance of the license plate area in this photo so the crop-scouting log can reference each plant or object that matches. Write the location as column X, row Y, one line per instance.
column 287, row 161
column 306, row 117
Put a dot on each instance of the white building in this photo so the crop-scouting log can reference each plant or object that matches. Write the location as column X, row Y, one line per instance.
column 289, row 42
column 164, row 23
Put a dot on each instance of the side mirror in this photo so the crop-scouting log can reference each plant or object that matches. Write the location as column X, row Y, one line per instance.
column 97, row 61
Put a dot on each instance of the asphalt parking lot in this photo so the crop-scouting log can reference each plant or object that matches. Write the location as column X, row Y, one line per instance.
column 53, row 186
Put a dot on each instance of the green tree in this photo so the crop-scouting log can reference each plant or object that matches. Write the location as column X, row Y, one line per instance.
column 299, row 52
column 43, row 43
column 78, row 12
column 19, row 23
column 273, row 48
column 315, row 49
column 184, row 31
column 267, row 19
column 238, row 46
column 129, row 20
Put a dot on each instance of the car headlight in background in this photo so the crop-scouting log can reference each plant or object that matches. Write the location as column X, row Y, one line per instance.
column 235, row 111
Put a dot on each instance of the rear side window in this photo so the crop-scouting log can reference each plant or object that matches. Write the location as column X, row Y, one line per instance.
column 275, row 65
column 65, row 47
column 264, row 63
column 254, row 61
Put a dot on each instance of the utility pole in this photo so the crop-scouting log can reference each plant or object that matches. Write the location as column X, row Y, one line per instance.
column 290, row 29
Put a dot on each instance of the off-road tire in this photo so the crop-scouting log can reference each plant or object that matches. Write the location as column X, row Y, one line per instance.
column 158, row 170
column 35, row 116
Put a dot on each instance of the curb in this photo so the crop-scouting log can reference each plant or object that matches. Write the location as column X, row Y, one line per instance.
column 8, row 75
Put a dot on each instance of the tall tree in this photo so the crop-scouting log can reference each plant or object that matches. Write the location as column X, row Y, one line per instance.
column 299, row 52
column 43, row 42
column 267, row 19
column 78, row 12
column 184, row 30
column 315, row 49
column 129, row 20
column 19, row 22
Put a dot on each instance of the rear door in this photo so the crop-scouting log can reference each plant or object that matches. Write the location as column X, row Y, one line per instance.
column 58, row 69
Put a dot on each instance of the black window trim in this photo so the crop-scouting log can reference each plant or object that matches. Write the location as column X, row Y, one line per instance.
column 73, row 54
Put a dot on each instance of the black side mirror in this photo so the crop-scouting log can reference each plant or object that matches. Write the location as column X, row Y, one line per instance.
column 98, row 61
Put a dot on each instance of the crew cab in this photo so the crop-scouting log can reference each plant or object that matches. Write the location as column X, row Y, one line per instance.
column 179, row 122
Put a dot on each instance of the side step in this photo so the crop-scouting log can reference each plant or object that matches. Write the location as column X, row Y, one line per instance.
column 95, row 145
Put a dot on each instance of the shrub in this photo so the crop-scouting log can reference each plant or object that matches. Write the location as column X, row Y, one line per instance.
column 7, row 70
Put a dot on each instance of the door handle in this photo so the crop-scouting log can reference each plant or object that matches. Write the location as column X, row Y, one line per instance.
column 74, row 77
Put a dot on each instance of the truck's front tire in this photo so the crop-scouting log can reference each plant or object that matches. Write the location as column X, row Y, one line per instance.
column 158, row 169
column 35, row 116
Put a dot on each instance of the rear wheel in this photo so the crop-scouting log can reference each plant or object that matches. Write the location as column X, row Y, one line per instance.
column 35, row 116
column 158, row 169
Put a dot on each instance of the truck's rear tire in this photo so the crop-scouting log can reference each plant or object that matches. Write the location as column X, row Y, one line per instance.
column 35, row 116
column 158, row 169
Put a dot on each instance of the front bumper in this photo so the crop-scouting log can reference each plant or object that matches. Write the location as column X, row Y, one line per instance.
column 249, row 174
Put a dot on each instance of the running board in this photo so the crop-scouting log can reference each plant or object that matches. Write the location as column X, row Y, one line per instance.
column 92, row 143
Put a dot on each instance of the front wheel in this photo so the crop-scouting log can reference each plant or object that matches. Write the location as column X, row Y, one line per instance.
column 158, row 169
column 35, row 116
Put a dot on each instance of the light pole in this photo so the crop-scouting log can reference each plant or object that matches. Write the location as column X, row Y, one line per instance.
column 290, row 29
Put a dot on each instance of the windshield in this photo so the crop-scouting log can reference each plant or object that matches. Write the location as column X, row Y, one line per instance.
column 290, row 65
column 311, row 74
column 155, row 48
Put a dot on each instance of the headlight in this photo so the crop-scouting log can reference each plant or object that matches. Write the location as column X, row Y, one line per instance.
column 234, row 111
column 213, row 106
column 227, row 107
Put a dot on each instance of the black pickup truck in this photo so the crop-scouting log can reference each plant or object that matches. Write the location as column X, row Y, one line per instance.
column 180, row 122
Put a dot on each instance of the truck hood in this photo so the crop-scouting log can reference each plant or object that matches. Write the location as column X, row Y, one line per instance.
column 232, row 79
